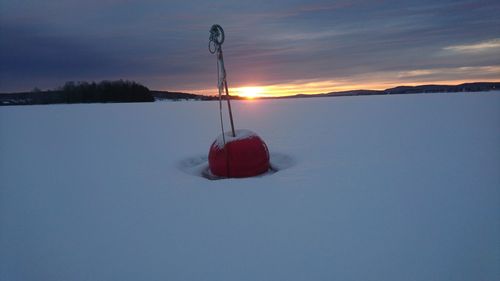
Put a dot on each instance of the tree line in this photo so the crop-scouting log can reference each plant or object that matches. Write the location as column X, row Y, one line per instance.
column 84, row 92
column 104, row 91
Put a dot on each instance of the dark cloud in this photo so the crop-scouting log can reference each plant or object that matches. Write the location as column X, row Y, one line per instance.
column 164, row 44
column 27, row 51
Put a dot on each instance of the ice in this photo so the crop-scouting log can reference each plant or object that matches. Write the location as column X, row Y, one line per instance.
column 402, row 187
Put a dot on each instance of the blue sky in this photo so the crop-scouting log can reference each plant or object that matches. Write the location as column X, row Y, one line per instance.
column 294, row 46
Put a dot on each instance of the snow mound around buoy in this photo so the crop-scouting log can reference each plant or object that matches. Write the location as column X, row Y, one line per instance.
column 197, row 165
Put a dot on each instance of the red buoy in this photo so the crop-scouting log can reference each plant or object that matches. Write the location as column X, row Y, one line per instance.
column 245, row 155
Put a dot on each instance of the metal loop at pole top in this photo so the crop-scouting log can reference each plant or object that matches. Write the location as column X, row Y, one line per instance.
column 216, row 38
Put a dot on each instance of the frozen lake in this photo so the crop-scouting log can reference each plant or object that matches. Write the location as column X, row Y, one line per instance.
column 402, row 187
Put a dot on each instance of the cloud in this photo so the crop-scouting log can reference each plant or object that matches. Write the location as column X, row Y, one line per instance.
column 484, row 46
column 309, row 35
column 417, row 73
column 164, row 44
column 28, row 51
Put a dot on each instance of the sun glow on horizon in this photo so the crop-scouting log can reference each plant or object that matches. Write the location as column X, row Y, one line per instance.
column 249, row 92
column 367, row 81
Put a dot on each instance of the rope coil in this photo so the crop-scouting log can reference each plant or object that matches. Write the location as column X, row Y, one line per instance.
column 216, row 38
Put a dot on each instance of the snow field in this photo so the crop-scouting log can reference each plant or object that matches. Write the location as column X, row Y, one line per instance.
column 400, row 187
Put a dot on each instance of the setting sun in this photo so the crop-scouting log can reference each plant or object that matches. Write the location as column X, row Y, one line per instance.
column 249, row 92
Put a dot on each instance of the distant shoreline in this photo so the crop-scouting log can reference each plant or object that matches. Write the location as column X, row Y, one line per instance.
column 400, row 90
column 52, row 96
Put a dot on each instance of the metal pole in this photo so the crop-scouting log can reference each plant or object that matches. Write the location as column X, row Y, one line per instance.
column 217, row 38
column 228, row 97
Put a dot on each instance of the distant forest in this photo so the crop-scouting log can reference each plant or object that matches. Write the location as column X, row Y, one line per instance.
column 92, row 92
column 83, row 92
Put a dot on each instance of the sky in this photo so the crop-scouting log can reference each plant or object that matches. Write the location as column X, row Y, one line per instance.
column 271, row 47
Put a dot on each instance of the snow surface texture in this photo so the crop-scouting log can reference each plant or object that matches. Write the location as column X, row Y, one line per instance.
column 400, row 187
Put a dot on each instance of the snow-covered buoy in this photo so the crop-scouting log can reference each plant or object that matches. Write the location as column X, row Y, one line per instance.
column 238, row 153
column 245, row 155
